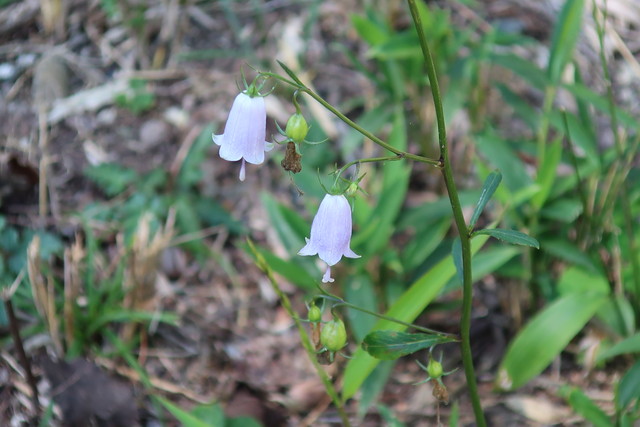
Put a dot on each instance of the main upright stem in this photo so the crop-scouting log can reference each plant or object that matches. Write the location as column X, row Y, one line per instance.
column 445, row 166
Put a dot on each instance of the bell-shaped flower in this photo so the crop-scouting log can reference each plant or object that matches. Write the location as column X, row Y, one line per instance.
column 244, row 134
column 331, row 233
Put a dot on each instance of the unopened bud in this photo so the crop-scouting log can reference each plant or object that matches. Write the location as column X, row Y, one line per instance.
column 334, row 335
column 297, row 128
column 315, row 314
column 434, row 369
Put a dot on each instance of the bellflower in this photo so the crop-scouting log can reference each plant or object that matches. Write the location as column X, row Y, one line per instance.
column 331, row 233
column 244, row 134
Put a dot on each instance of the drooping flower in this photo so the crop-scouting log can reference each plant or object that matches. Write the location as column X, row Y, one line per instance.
column 331, row 233
column 244, row 134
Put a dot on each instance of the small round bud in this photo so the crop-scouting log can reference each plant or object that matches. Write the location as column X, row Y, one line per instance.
column 297, row 128
column 351, row 189
column 434, row 369
column 315, row 314
column 334, row 335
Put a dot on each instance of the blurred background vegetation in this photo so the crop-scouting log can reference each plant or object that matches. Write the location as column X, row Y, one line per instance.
column 123, row 233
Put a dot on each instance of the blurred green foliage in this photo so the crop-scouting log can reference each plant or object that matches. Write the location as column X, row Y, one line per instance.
column 578, row 197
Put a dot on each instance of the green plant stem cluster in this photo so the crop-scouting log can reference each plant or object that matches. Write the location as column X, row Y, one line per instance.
column 444, row 164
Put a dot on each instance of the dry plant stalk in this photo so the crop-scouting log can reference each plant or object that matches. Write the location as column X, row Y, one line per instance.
column 43, row 293
column 73, row 257
column 50, row 82
column 54, row 16
column 142, row 267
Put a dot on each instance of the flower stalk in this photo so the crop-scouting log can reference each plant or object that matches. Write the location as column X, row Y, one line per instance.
column 304, row 337
column 445, row 163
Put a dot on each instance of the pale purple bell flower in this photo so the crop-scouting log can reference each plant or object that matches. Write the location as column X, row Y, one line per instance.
column 244, row 134
column 331, row 233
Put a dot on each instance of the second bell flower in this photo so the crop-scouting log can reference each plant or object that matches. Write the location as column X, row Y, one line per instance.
column 331, row 233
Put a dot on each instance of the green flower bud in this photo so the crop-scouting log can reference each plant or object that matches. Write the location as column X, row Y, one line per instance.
column 297, row 128
column 434, row 369
column 351, row 189
column 334, row 335
column 315, row 314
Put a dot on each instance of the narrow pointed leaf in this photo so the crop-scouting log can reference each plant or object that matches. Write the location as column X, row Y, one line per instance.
column 626, row 346
column 185, row 418
column 510, row 236
column 390, row 345
column 544, row 338
column 291, row 73
column 489, row 187
column 565, row 36
column 628, row 389
column 586, row 407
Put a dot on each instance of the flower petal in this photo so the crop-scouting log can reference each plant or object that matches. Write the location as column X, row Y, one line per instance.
column 244, row 132
column 308, row 249
column 350, row 254
column 331, row 231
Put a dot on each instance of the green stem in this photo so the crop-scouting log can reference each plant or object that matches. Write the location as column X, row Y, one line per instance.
column 626, row 206
column 304, row 337
column 341, row 302
column 353, row 124
column 340, row 171
column 445, row 163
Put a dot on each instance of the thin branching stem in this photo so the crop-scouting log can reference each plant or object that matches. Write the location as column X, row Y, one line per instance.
column 340, row 302
column 304, row 337
column 351, row 123
column 445, row 163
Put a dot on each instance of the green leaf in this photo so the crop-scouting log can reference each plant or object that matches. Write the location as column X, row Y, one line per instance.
column 581, row 135
column 489, row 187
column 618, row 314
column 395, row 182
column 522, row 68
column 567, row 251
column 390, row 345
column 370, row 31
column 190, row 170
column 290, row 236
column 360, row 288
column 510, row 236
column 601, row 103
column 211, row 414
column 584, row 406
column 564, row 38
column 110, row 177
column 406, row 308
column 574, row 280
column 185, row 418
column 547, row 173
column 501, row 154
column 626, row 346
column 521, row 107
column 374, row 385
column 242, row 422
column 628, row 389
column 290, row 73
column 563, row 210
column 423, row 244
column 544, row 337
column 290, row 270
